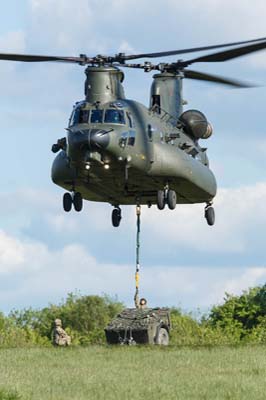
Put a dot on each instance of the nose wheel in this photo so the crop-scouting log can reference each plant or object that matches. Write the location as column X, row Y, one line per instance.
column 75, row 199
column 209, row 214
column 168, row 197
column 116, row 216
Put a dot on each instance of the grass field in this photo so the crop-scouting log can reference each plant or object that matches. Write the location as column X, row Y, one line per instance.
column 133, row 373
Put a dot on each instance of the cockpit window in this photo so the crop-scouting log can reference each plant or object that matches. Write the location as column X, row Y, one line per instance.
column 84, row 116
column 74, row 117
column 79, row 116
column 114, row 117
column 96, row 116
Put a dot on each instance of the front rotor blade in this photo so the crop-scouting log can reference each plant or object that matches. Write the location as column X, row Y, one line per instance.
column 216, row 79
column 36, row 58
column 228, row 54
column 195, row 49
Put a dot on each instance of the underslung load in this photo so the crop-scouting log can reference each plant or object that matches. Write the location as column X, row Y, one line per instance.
column 140, row 326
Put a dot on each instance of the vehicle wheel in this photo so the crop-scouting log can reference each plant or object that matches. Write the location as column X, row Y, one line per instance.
column 67, row 202
column 78, row 201
column 160, row 199
column 116, row 217
column 171, row 199
column 210, row 215
column 162, row 338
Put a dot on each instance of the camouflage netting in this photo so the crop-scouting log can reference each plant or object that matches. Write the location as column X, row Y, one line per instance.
column 137, row 325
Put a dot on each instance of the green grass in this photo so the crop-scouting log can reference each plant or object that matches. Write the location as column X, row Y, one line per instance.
column 133, row 373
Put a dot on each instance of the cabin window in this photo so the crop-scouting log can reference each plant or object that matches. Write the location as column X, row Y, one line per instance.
column 114, row 117
column 156, row 103
column 150, row 132
column 131, row 139
column 123, row 140
column 127, row 139
column 96, row 116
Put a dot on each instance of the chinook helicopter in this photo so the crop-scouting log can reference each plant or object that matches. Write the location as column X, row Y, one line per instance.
column 120, row 152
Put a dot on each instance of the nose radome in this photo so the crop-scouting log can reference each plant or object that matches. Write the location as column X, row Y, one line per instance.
column 98, row 139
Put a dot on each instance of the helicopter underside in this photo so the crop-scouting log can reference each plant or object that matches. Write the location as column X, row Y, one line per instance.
column 110, row 186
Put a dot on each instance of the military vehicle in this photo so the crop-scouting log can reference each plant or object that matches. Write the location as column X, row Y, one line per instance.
column 140, row 326
column 120, row 152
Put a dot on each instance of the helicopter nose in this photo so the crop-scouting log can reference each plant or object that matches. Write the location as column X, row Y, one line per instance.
column 98, row 139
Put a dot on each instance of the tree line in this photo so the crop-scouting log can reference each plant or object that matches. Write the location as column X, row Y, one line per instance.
column 239, row 319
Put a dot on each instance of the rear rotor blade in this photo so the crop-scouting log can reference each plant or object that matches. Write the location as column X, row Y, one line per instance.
column 216, row 79
column 228, row 54
column 191, row 50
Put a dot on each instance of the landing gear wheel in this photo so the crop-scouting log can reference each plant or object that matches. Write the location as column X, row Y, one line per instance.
column 67, row 202
column 116, row 217
column 210, row 215
column 171, row 199
column 78, row 201
column 160, row 199
column 162, row 337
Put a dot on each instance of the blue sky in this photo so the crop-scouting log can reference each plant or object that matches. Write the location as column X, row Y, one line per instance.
column 45, row 253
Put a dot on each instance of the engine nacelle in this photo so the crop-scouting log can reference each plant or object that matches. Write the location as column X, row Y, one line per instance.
column 195, row 124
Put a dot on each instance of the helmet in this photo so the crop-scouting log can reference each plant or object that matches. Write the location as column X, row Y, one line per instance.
column 143, row 302
column 58, row 322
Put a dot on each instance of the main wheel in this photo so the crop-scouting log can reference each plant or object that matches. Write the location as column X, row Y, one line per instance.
column 171, row 199
column 78, row 201
column 116, row 217
column 162, row 337
column 67, row 202
column 210, row 215
column 160, row 199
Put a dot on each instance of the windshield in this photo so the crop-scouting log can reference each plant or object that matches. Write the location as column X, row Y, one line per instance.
column 114, row 117
column 79, row 116
column 96, row 116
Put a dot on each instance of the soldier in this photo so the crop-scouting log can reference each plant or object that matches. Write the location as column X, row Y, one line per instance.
column 59, row 335
column 142, row 303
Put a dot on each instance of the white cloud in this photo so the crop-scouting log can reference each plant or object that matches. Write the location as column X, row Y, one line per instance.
column 40, row 276
column 240, row 218
column 15, row 255
column 239, row 215
column 125, row 47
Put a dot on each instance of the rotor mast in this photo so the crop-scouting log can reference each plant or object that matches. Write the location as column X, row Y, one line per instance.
column 166, row 93
column 103, row 84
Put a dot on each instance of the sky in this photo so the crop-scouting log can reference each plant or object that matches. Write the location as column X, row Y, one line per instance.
column 46, row 253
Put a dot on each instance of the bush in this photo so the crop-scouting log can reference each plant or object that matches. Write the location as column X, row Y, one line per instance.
column 244, row 316
column 187, row 331
column 83, row 317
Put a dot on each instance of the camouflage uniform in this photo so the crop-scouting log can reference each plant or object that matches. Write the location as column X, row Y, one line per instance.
column 59, row 335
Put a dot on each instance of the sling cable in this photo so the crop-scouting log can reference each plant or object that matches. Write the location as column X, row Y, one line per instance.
column 142, row 302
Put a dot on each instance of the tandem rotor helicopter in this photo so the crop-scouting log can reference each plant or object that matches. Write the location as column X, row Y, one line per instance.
column 120, row 152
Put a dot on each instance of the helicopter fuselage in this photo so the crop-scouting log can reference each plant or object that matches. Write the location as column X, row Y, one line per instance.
column 121, row 152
